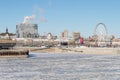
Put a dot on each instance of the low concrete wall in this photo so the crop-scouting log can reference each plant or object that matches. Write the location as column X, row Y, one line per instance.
column 30, row 48
column 97, row 50
column 72, row 50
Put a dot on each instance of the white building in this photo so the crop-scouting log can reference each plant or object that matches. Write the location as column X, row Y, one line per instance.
column 7, row 35
column 27, row 30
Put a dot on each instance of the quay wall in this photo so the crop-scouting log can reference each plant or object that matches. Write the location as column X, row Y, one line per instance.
column 97, row 50
column 72, row 50
column 14, row 53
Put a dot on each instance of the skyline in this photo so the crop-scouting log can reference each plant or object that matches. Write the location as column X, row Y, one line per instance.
column 55, row 16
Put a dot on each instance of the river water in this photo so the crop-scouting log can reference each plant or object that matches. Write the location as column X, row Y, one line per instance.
column 45, row 66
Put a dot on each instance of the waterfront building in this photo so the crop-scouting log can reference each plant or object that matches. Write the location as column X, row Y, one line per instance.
column 7, row 35
column 49, row 36
column 64, row 34
column 27, row 30
column 7, row 40
column 76, row 35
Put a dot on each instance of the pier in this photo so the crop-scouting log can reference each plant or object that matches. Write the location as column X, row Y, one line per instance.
column 14, row 53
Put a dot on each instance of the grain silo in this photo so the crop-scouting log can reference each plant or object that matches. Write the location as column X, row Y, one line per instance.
column 27, row 30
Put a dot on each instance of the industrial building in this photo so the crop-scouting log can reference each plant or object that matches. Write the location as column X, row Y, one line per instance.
column 27, row 30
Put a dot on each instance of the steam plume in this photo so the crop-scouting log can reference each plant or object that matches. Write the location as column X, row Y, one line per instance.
column 37, row 17
column 40, row 15
column 29, row 19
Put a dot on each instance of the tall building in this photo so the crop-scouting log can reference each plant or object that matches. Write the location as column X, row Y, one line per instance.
column 27, row 31
column 64, row 34
column 75, row 35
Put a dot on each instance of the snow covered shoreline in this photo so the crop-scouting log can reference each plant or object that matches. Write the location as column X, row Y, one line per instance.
column 80, row 50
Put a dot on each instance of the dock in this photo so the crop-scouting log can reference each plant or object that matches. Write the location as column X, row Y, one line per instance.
column 14, row 53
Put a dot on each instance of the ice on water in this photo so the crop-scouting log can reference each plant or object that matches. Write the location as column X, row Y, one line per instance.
column 45, row 66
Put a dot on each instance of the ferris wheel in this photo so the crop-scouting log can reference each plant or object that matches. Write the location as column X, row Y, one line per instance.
column 101, row 33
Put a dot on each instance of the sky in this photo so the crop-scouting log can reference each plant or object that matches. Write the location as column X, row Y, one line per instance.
column 56, row 16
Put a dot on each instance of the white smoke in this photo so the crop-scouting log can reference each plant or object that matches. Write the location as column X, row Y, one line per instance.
column 37, row 17
column 43, row 19
column 29, row 19
column 40, row 13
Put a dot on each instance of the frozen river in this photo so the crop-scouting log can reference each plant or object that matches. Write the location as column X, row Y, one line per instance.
column 44, row 66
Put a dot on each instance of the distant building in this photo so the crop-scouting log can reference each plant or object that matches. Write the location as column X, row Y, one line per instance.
column 75, row 35
column 7, row 35
column 49, row 36
column 64, row 34
column 27, row 31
